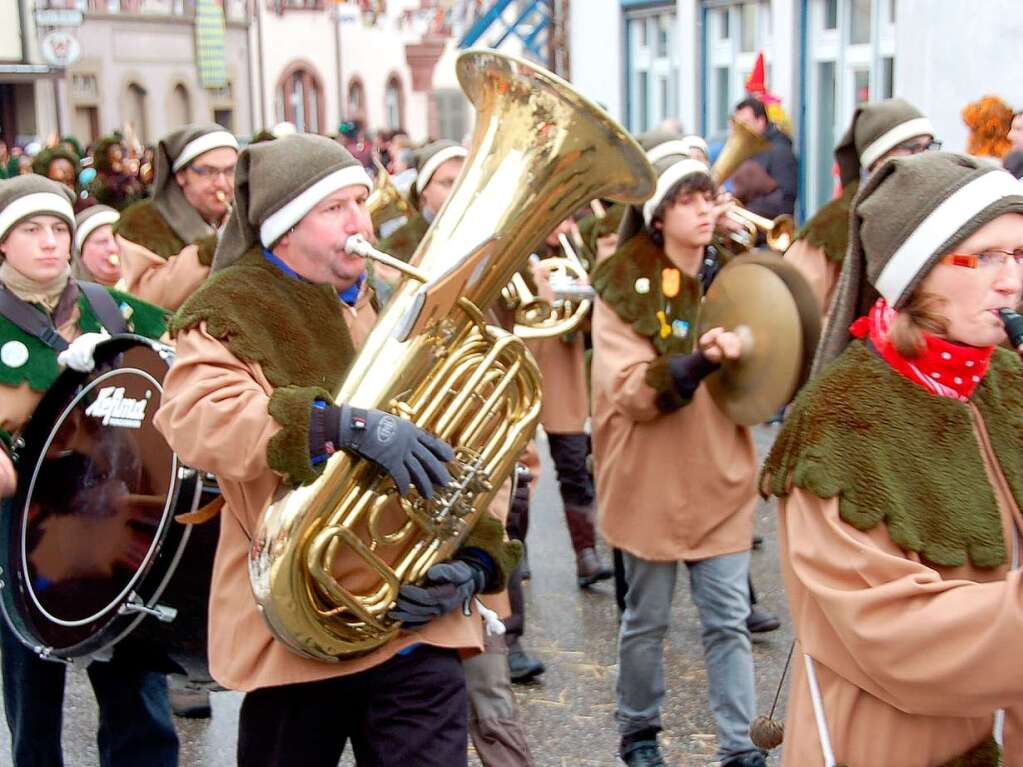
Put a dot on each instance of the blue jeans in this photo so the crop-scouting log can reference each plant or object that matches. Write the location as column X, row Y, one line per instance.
column 721, row 593
column 135, row 725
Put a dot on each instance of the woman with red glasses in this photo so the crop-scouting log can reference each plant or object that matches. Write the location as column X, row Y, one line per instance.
column 900, row 483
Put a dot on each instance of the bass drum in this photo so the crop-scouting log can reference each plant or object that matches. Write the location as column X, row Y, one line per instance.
column 89, row 546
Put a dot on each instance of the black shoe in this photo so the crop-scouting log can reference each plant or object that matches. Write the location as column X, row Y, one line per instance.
column 522, row 668
column 761, row 621
column 589, row 569
column 642, row 753
column 190, row 704
column 754, row 759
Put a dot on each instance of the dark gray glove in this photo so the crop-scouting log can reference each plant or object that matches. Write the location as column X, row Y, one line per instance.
column 448, row 586
column 399, row 447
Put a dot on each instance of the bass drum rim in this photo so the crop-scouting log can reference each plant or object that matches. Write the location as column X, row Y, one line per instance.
column 112, row 624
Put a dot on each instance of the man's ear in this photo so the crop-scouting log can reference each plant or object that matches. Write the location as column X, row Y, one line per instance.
column 180, row 177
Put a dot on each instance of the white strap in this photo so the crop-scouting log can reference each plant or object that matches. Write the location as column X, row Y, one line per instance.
column 818, row 712
column 999, row 728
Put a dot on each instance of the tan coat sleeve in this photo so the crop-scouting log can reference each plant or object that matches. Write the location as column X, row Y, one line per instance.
column 164, row 282
column 814, row 265
column 214, row 411
column 892, row 626
column 621, row 357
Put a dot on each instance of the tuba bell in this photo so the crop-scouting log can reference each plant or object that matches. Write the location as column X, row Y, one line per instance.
column 539, row 151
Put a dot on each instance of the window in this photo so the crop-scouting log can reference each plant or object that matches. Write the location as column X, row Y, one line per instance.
column 356, row 101
column 299, row 99
column 861, row 86
column 748, row 29
column 827, row 87
column 723, row 24
column 662, row 36
column 722, row 98
column 859, row 21
column 135, row 111
column 887, row 77
column 86, row 123
column 224, row 118
column 644, row 101
column 831, row 14
column 451, row 109
column 179, row 110
column 652, row 68
column 393, row 104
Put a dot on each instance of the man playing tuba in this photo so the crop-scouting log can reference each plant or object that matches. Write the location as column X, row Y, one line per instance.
column 259, row 348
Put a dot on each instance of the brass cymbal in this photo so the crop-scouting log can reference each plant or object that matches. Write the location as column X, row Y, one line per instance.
column 770, row 306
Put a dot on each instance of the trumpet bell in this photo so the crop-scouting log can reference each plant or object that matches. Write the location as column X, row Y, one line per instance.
column 741, row 145
column 769, row 304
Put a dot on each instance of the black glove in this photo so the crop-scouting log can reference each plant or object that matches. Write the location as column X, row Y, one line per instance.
column 399, row 447
column 448, row 586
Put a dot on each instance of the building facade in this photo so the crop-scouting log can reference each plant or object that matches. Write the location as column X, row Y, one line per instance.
column 649, row 61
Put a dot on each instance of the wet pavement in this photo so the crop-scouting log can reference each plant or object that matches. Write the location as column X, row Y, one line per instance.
column 569, row 712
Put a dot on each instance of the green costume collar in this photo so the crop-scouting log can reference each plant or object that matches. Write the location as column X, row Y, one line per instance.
column 39, row 369
column 142, row 223
column 892, row 452
column 647, row 291
column 829, row 227
column 404, row 240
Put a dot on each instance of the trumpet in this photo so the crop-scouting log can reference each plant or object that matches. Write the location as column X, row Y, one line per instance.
column 386, row 202
column 779, row 232
column 536, row 317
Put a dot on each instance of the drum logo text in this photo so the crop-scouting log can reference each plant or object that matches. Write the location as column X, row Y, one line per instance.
column 117, row 410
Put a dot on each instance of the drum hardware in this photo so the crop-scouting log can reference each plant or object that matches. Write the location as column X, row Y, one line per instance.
column 134, row 605
column 185, row 473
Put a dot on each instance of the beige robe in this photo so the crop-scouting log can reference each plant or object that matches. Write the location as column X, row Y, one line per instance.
column 166, row 282
column 821, row 272
column 670, row 486
column 214, row 413
column 912, row 659
column 566, row 400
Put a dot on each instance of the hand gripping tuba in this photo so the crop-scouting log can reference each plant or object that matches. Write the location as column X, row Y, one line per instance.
column 327, row 559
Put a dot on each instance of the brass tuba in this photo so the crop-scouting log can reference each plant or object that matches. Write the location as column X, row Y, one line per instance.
column 539, row 151
column 386, row 202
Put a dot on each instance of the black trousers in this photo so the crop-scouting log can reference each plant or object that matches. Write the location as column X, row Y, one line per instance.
column 410, row 711
column 569, row 452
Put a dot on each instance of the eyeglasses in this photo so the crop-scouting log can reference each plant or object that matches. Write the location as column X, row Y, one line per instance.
column 207, row 172
column 919, row 147
column 989, row 259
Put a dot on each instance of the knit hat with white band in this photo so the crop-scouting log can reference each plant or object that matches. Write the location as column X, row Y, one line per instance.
column 670, row 171
column 32, row 195
column 88, row 221
column 175, row 152
column 681, row 147
column 277, row 183
column 910, row 213
column 875, row 129
column 432, row 156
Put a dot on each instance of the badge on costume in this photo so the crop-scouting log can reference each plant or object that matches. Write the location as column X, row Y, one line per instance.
column 680, row 328
column 671, row 282
column 642, row 286
column 14, row 354
column 665, row 327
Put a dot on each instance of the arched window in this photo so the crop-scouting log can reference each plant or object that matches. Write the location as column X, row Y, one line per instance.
column 135, row 111
column 394, row 104
column 300, row 99
column 180, row 107
column 356, row 101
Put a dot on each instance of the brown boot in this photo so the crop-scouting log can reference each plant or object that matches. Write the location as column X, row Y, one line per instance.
column 588, row 568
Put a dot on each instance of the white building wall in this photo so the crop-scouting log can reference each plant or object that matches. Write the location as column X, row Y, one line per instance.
column 952, row 52
column 595, row 40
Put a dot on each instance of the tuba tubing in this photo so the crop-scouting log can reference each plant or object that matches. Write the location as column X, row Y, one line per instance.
column 327, row 559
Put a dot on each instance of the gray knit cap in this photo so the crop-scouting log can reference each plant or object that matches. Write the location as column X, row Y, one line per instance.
column 174, row 152
column 428, row 159
column 88, row 221
column 909, row 214
column 32, row 195
column 875, row 129
column 276, row 183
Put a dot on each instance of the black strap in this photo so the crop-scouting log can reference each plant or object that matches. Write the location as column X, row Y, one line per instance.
column 106, row 309
column 31, row 320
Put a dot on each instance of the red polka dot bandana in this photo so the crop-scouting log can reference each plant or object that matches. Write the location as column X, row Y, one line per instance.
column 945, row 369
